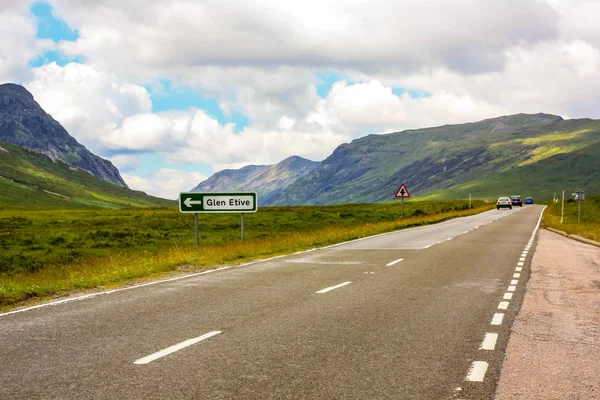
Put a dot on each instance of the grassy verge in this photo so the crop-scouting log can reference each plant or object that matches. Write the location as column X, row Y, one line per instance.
column 50, row 254
column 589, row 225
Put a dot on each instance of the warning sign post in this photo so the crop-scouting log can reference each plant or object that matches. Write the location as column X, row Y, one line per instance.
column 402, row 193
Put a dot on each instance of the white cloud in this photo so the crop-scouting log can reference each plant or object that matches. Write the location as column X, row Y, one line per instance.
column 462, row 35
column 165, row 182
column 125, row 162
column 19, row 43
column 88, row 101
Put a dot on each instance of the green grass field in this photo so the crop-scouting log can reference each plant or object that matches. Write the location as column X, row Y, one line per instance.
column 589, row 225
column 50, row 253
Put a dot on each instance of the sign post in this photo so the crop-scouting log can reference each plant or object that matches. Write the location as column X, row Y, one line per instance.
column 402, row 193
column 202, row 202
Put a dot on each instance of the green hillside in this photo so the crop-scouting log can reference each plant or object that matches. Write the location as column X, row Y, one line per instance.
column 31, row 180
column 532, row 155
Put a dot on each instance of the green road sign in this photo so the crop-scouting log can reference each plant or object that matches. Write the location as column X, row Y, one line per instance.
column 195, row 202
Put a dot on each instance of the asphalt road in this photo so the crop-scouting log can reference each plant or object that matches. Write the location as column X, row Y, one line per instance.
column 345, row 322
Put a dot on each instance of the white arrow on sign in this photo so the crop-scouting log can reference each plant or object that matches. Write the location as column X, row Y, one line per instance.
column 188, row 202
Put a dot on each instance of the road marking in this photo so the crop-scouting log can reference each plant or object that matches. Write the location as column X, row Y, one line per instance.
column 174, row 348
column 448, row 239
column 517, row 275
column 507, row 296
column 520, row 264
column 514, row 282
column 489, row 341
column 497, row 320
column 333, row 287
column 512, row 288
column 477, row 371
column 519, row 269
column 522, row 259
column 503, row 305
column 524, row 254
column 465, row 232
column 394, row 262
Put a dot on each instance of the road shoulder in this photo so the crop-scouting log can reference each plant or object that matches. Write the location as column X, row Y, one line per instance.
column 554, row 347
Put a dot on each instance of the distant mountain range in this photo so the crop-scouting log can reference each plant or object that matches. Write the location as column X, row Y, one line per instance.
column 267, row 180
column 24, row 123
column 527, row 154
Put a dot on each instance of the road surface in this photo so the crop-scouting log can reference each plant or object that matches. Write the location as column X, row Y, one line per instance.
column 422, row 313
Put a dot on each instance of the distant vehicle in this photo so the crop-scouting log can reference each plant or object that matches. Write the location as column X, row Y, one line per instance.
column 504, row 202
column 528, row 200
column 516, row 200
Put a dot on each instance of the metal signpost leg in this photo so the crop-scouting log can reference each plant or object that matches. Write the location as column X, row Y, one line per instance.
column 562, row 211
column 578, row 207
column 242, row 226
column 403, row 207
column 196, row 218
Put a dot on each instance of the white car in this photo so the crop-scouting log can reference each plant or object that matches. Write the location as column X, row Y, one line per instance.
column 504, row 202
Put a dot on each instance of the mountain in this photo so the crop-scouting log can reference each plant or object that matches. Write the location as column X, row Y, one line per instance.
column 267, row 180
column 23, row 122
column 527, row 154
column 31, row 180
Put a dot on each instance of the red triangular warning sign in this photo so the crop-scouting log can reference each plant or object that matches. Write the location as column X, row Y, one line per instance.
column 402, row 192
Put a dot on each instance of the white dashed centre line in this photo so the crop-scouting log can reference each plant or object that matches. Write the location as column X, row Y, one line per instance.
column 329, row 289
column 514, row 282
column 512, row 288
column 497, row 320
column 517, row 275
column 522, row 259
column 477, row 371
column 503, row 305
column 489, row 341
column 520, row 264
column 519, row 269
column 174, row 348
column 394, row 262
column 507, row 296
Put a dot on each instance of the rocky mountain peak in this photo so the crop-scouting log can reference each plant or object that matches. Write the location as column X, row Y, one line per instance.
column 23, row 122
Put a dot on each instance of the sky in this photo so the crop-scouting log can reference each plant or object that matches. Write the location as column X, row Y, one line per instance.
column 173, row 91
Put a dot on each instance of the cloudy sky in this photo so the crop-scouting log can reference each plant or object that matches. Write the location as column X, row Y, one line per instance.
column 173, row 91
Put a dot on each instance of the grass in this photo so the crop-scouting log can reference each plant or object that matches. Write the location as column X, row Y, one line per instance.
column 589, row 225
column 52, row 253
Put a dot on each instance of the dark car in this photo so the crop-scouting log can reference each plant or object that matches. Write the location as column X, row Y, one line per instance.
column 528, row 200
column 504, row 202
column 516, row 201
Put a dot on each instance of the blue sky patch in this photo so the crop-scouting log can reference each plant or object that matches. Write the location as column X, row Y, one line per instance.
column 152, row 162
column 54, row 56
column 50, row 27
column 325, row 81
column 166, row 97
column 415, row 94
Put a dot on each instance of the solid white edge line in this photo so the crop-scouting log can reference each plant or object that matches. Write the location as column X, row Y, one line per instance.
column 333, row 287
column 477, row 371
column 489, row 341
column 174, row 348
column 394, row 262
column 507, row 296
column 89, row 296
column 497, row 319
column 503, row 305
